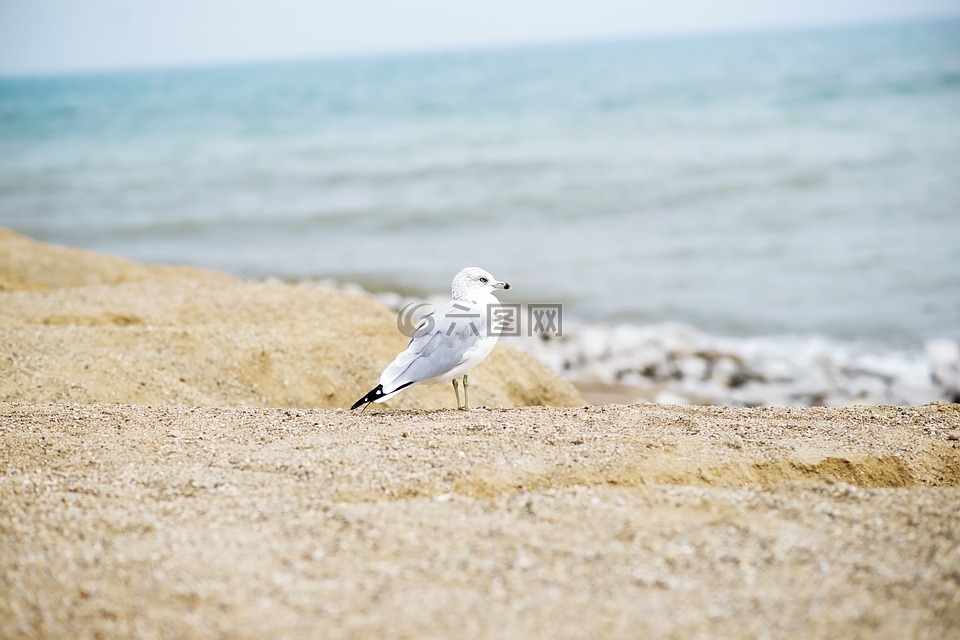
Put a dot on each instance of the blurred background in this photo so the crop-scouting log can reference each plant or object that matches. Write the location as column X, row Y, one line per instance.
column 747, row 204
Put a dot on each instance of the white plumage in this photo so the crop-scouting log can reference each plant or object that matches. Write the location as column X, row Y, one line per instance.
column 448, row 342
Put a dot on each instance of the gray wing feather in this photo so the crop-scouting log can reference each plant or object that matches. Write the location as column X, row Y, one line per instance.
column 440, row 344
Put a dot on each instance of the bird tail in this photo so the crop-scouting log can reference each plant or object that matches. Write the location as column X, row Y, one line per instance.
column 374, row 395
column 377, row 394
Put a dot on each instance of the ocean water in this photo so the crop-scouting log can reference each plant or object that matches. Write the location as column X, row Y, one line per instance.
column 801, row 183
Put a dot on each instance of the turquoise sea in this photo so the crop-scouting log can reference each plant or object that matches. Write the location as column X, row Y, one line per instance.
column 757, row 184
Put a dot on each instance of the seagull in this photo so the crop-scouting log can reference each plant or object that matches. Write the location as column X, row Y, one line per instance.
column 448, row 342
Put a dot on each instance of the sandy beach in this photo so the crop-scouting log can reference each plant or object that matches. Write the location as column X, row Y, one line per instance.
column 176, row 463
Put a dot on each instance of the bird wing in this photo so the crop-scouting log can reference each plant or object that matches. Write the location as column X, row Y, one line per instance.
column 443, row 340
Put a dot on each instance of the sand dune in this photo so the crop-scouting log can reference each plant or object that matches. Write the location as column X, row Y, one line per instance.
column 169, row 471
column 80, row 327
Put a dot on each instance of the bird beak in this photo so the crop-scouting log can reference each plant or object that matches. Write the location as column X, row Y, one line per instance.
column 502, row 285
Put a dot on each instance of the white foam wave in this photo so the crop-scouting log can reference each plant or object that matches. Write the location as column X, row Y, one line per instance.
column 681, row 363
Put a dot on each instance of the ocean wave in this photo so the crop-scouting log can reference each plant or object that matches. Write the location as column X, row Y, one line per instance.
column 678, row 363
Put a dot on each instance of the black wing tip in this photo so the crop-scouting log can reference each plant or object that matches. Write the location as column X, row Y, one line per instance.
column 375, row 393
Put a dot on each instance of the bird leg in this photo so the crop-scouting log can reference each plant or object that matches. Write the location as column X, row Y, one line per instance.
column 466, row 400
column 456, row 390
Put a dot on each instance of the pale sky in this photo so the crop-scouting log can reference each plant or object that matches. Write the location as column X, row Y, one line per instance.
column 43, row 36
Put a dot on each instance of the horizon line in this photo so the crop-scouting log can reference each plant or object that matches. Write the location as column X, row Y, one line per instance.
column 492, row 47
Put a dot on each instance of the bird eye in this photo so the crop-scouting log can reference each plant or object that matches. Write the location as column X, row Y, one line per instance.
column 482, row 279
